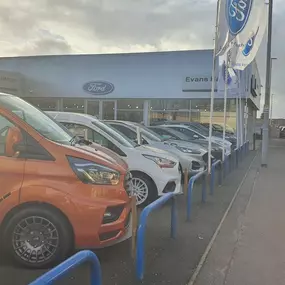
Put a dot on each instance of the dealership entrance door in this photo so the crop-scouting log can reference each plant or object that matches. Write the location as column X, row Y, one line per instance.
column 102, row 109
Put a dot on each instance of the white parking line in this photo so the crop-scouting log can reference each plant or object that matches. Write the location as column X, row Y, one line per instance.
column 210, row 245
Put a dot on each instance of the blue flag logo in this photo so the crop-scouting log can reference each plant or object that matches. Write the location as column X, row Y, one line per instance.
column 249, row 45
column 237, row 14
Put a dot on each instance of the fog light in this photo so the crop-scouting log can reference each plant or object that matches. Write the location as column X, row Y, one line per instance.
column 112, row 214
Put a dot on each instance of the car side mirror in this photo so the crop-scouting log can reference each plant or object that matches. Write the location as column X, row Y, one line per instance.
column 13, row 141
column 195, row 137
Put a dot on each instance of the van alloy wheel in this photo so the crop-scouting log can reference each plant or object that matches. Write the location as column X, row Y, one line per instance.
column 140, row 189
column 35, row 239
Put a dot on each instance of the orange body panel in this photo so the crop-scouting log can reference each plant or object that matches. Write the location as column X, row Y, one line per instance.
column 55, row 183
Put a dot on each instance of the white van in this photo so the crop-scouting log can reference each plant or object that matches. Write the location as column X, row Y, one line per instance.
column 154, row 171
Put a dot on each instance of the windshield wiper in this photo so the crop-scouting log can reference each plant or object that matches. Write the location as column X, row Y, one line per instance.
column 84, row 141
column 74, row 140
column 79, row 140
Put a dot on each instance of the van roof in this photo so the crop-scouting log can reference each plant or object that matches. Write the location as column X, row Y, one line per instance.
column 7, row 94
column 84, row 118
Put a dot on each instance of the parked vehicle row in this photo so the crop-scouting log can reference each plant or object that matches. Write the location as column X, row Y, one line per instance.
column 67, row 177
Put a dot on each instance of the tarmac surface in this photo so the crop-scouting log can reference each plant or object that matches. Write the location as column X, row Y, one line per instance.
column 250, row 248
column 168, row 261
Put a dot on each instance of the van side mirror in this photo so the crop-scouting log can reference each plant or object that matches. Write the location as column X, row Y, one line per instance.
column 13, row 139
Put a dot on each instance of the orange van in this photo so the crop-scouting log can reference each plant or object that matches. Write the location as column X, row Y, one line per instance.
column 57, row 192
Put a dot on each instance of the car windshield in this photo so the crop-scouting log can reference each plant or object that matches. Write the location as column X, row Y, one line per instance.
column 117, row 135
column 200, row 129
column 38, row 120
column 149, row 134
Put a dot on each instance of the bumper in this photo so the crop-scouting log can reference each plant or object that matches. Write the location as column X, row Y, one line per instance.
column 91, row 233
column 168, row 181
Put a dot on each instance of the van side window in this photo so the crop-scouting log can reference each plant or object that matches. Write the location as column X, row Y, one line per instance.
column 5, row 124
column 79, row 130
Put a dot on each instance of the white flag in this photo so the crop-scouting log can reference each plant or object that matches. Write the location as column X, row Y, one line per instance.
column 242, row 54
column 226, row 72
column 238, row 21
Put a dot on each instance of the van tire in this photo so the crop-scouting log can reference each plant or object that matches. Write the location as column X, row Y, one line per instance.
column 45, row 232
column 151, row 187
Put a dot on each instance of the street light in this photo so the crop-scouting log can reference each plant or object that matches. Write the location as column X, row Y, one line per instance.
column 271, row 99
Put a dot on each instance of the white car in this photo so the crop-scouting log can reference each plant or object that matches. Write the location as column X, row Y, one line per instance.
column 191, row 156
column 154, row 171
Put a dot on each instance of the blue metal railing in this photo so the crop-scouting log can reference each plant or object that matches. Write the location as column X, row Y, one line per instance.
column 192, row 180
column 226, row 165
column 71, row 263
column 88, row 256
column 140, row 258
column 213, row 174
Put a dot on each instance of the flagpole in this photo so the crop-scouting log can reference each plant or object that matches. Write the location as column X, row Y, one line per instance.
column 237, row 123
column 213, row 89
column 225, row 102
column 265, row 133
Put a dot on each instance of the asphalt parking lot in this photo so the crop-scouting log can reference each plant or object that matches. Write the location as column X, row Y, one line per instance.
column 167, row 261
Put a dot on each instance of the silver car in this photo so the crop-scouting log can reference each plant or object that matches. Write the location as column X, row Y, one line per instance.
column 191, row 156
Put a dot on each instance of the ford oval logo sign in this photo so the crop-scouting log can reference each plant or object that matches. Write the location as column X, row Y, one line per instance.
column 249, row 45
column 237, row 14
column 98, row 87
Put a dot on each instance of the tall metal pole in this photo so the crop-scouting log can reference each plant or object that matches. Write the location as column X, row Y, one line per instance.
column 225, row 103
column 271, row 109
column 265, row 134
column 213, row 89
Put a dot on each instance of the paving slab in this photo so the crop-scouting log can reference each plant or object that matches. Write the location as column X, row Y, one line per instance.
column 250, row 248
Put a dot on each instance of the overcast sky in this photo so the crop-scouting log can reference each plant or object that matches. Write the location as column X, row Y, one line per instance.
column 107, row 26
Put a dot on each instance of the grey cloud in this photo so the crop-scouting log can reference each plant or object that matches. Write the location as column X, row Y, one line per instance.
column 125, row 25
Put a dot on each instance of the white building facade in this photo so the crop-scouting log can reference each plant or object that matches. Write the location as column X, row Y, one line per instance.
column 137, row 87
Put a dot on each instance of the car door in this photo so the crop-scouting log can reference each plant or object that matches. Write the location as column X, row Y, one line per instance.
column 11, row 171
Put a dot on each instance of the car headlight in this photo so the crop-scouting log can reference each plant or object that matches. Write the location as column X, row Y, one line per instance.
column 188, row 150
column 90, row 172
column 161, row 162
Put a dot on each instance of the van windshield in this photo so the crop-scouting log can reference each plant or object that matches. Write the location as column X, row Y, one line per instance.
column 38, row 120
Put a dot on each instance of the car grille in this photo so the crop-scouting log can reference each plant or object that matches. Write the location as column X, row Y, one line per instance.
column 128, row 183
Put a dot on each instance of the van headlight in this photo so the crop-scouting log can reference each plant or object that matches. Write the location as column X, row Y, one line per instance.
column 188, row 150
column 160, row 161
column 90, row 172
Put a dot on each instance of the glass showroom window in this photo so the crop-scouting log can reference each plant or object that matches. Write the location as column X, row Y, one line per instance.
column 45, row 104
column 130, row 110
column 169, row 109
column 73, row 105
column 202, row 109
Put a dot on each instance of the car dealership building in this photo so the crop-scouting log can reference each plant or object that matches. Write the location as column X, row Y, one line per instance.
column 142, row 87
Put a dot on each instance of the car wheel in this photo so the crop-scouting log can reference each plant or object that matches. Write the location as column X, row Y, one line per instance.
column 38, row 237
column 144, row 189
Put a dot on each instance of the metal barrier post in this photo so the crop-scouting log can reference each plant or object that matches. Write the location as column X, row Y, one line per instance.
column 142, row 228
column 204, row 189
column 173, row 218
column 221, row 173
column 71, row 263
column 190, row 190
column 213, row 173
column 212, row 181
